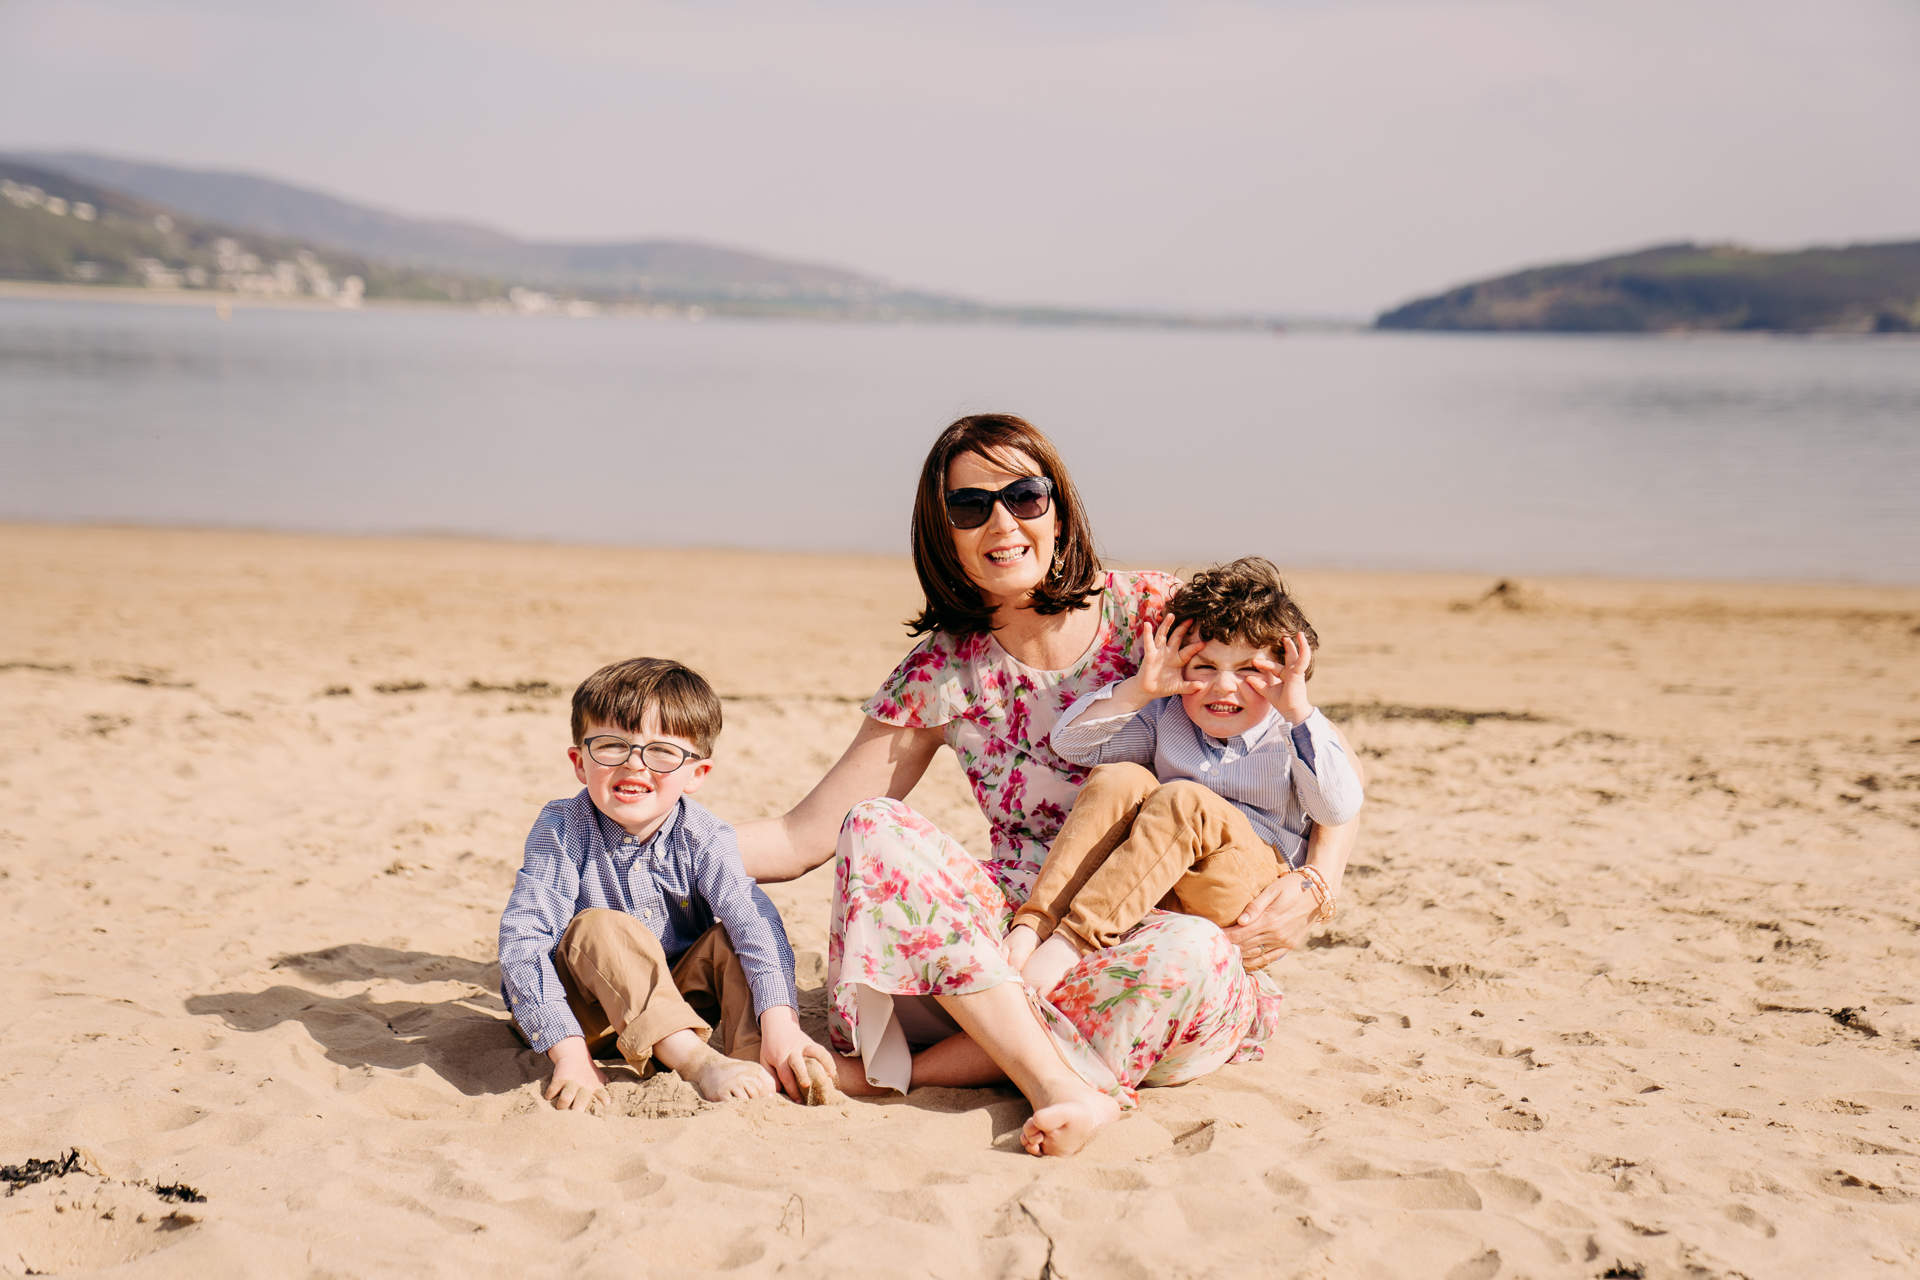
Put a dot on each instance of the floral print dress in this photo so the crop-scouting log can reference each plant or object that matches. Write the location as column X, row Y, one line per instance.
column 914, row 914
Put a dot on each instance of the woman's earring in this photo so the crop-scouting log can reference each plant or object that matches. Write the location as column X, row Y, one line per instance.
column 1053, row 574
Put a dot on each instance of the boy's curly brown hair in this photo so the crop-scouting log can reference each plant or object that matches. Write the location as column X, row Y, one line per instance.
column 1245, row 601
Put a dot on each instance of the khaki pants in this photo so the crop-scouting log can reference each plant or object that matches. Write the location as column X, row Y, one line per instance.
column 1131, row 844
column 618, row 983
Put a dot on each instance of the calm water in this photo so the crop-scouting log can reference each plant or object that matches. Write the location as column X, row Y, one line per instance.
column 1720, row 458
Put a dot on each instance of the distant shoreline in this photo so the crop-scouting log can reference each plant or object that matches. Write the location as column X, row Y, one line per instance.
column 210, row 299
column 1540, row 590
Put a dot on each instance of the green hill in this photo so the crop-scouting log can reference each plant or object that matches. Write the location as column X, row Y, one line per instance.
column 95, row 220
column 268, row 207
column 1869, row 288
column 56, row 228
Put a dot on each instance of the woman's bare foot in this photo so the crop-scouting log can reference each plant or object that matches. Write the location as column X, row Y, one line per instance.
column 1068, row 1113
column 850, row 1073
column 1049, row 963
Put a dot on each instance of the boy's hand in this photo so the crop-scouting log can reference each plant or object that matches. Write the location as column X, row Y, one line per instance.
column 577, row 1082
column 1163, row 661
column 785, row 1048
column 1018, row 945
column 1285, row 686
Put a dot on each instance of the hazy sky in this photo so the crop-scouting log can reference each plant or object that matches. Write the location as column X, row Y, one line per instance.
column 1293, row 155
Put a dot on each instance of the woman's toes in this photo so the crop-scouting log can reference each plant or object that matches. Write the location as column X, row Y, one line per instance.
column 1065, row 1127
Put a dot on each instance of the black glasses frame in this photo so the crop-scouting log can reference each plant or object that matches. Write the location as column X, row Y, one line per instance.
column 1006, row 497
column 638, row 748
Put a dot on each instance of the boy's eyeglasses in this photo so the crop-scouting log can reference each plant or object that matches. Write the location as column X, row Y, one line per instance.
column 661, row 757
column 1025, row 499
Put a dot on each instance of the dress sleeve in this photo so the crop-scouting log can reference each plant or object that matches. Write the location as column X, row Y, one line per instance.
column 925, row 691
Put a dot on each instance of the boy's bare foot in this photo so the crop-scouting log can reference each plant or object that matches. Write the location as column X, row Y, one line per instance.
column 1049, row 963
column 718, row 1078
column 1068, row 1114
column 850, row 1074
column 713, row 1075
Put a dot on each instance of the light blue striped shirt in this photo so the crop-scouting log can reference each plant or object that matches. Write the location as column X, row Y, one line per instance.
column 1283, row 777
column 678, row 883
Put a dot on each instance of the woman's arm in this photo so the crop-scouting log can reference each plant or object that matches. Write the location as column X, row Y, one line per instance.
column 1281, row 916
column 883, row 760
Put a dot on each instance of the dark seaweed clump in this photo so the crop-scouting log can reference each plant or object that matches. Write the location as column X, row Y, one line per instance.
column 179, row 1193
column 17, row 1176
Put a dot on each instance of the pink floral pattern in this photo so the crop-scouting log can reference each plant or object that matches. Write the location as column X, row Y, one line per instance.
column 999, row 714
column 915, row 914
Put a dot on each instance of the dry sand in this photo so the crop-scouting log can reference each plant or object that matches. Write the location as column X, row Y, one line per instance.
column 1622, row 984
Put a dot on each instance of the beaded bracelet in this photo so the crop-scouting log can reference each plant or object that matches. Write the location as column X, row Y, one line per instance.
column 1318, row 883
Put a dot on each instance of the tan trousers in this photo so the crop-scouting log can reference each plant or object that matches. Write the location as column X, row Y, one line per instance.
column 1131, row 844
column 618, row 983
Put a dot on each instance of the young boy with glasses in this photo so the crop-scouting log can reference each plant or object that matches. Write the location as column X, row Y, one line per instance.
column 1210, row 767
column 632, row 915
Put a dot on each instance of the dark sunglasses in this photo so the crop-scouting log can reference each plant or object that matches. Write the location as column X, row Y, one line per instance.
column 1025, row 499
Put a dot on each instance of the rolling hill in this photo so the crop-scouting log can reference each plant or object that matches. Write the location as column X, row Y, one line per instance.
column 287, row 238
column 267, row 207
column 1868, row 288
column 55, row 228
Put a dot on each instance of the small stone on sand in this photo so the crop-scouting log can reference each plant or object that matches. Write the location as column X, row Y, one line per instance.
column 821, row 1091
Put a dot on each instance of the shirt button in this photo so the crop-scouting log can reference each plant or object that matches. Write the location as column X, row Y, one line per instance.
column 1205, row 767
column 648, row 915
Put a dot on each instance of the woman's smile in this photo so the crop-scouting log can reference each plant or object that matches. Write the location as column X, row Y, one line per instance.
column 1006, row 557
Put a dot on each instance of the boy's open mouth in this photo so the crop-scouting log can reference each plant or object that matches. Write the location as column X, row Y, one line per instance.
column 1224, row 708
column 632, row 789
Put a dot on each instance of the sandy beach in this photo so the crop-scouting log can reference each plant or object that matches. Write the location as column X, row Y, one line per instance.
column 1623, row 982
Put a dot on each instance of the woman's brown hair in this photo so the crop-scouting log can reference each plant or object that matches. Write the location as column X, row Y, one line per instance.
column 953, row 601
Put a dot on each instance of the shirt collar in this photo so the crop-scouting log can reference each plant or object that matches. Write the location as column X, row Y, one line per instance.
column 1259, row 733
column 614, row 834
column 1243, row 743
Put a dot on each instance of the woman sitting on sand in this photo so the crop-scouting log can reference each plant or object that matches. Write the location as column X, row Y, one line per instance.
column 1023, row 621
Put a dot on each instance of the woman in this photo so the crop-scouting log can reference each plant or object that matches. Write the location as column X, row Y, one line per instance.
column 1020, row 621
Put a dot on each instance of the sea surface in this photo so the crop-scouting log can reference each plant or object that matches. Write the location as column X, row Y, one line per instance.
column 1707, row 457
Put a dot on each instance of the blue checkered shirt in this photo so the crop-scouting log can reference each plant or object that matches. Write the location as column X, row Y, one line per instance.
column 678, row 883
column 1283, row 777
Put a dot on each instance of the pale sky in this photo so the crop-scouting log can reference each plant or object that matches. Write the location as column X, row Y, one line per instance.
column 1300, row 156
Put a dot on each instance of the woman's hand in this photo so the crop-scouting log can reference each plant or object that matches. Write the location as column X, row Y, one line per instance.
column 1164, row 659
column 1277, row 920
column 1281, row 916
column 1284, row 685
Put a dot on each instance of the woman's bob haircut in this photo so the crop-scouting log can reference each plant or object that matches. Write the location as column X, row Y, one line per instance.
column 954, row 604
